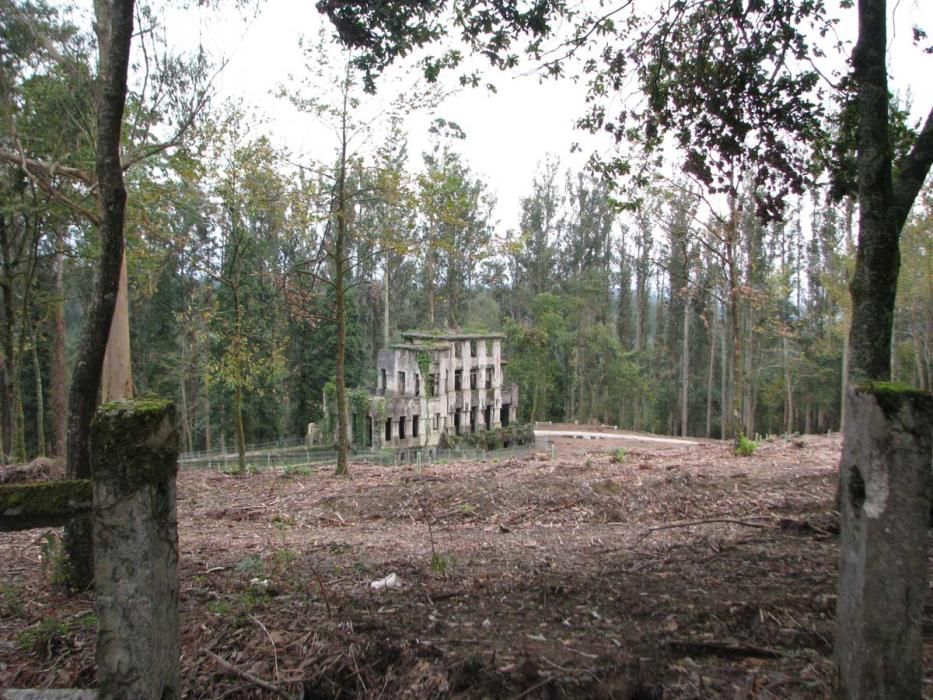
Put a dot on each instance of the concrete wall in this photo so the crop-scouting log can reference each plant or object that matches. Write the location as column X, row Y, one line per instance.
column 468, row 356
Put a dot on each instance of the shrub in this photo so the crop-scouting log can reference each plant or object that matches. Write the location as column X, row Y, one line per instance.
column 745, row 447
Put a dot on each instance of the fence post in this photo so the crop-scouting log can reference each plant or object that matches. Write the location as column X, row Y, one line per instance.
column 134, row 461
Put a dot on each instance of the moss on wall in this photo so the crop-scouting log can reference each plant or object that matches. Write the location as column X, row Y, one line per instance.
column 43, row 504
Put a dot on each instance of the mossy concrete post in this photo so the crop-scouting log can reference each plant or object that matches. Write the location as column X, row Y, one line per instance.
column 134, row 461
column 885, row 506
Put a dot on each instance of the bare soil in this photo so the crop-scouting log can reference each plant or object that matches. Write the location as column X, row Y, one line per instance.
column 666, row 570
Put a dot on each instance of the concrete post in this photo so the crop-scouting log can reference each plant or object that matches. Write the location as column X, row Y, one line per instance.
column 885, row 506
column 134, row 461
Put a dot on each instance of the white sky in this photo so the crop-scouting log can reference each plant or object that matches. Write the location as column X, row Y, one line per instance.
column 508, row 133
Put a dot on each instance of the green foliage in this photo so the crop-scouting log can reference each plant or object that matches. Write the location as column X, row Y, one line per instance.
column 442, row 563
column 618, row 457
column 251, row 565
column 11, row 600
column 221, row 608
column 54, row 560
column 424, row 366
column 281, row 561
column 745, row 447
column 297, row 470
column 44, row 639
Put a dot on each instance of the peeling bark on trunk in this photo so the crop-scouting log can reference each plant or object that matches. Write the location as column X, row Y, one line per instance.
column 117, row 375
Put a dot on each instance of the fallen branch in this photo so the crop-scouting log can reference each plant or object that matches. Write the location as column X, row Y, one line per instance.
column 544, row 681
column 275, row 653
column 731, row 651
column 248, row 676
column 689, row 523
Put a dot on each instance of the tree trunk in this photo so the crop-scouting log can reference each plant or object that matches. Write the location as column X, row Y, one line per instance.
column 845, row 376
column 10, row 369
column 788, row 384
column 877, row 258
column 709, row 376
column 343, row 441
column 736, row 376
column 429, row 283
column 40, row 400
column 114, row 44
column 885, row 512
column 183, row 397
column 386, row 335
column 57, row 372
column 206, row 389
column 724, row 400
column 886, row 489
column 685, row 370
column 748, row 354
column 238, row 392
column 117, row 374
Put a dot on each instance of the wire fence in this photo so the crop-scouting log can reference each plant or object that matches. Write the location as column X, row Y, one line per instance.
column 287, row 458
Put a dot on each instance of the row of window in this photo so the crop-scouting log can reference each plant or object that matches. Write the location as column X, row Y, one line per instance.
column 458, row 348
column 433, row 388
column 458, row 428
column 403, row 426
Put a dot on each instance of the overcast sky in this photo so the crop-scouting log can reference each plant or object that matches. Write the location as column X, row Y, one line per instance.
column 508, row 133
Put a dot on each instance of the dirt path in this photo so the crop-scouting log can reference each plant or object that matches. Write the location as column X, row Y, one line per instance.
column 666, row 568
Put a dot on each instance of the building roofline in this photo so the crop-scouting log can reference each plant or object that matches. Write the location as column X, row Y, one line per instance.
column 441, row 335
column 420, row 346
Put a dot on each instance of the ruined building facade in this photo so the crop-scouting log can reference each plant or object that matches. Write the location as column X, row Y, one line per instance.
column 433, row 384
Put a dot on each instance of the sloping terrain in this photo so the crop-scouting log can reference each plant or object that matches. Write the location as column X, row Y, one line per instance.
column 608, row 569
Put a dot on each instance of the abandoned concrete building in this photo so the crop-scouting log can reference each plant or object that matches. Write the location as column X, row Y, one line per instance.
column 432, row 384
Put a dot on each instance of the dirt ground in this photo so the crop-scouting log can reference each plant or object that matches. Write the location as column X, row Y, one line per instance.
column 661, row 570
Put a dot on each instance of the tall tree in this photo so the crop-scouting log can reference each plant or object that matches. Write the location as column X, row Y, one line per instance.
column 115, row 30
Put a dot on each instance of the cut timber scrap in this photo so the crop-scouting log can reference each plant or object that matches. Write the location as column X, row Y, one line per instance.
column 886, row 492
column 43, row 504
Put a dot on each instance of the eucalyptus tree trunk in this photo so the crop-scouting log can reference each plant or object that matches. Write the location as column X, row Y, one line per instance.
column 685, row 370
column 58, row 389
column 709, row 376
column 12, row 427
column 429, row 283
column 238, row 391
column 116, row 382
column 788, row 384
column 885, row 471
column 735, row 375
column 206, row 393
column 386, row 335
column 114, row 26
column 40, row 400
column 340, row 289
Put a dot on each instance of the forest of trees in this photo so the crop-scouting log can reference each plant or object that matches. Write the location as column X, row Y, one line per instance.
column 688, row 316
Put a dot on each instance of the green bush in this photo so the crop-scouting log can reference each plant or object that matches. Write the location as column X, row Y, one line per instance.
column 745, row 447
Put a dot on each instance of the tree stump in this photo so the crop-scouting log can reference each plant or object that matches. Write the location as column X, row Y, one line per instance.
column 885, row 506
column 134, row 461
